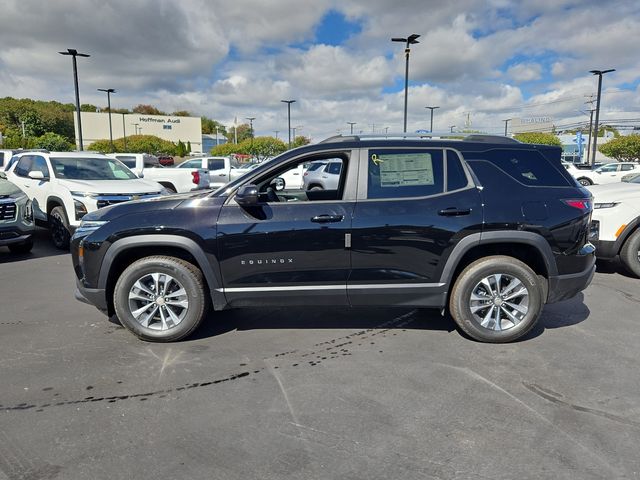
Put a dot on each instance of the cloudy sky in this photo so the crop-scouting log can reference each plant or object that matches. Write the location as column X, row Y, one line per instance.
column 480, row 61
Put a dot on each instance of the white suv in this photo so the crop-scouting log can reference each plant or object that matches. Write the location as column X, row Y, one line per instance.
column 615, row 228
column 66, row 186
column 609, row 173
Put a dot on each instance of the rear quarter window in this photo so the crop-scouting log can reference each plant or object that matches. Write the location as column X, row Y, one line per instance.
column 525, row 166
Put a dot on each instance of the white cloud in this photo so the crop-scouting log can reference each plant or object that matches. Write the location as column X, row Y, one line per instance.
column 525, row 72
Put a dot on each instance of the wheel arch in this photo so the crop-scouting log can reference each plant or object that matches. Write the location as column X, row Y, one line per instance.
column 127, row 250
column 631, row 227
column 53, row 202
column 528, row 247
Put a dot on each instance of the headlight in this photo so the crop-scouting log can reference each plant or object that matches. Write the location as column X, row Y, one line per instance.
column 28, row 211
column 605, row 205
column 84, row 194
column 88, row 226
column 80, row 208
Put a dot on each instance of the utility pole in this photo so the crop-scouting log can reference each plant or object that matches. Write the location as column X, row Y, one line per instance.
column 599, row 73
column 591, row 110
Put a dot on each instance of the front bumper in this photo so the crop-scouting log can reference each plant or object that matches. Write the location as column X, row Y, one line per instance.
column 91, row 296
column 606, row 249
column 563, row 287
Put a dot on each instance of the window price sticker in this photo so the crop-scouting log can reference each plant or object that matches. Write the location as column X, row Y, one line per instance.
column 401, row 170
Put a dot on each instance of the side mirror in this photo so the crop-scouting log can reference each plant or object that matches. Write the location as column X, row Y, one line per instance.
column 278, row 184
column 36, row 175
column 247, row 195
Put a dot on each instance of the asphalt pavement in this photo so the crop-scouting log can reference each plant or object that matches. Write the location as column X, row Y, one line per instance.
column 313, row 393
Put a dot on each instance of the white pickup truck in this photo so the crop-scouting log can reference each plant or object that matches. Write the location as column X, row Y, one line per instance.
column 222, row 170
column 148, row 166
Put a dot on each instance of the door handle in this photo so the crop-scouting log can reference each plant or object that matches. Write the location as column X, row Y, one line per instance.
column 454, row 212
column 327, row 218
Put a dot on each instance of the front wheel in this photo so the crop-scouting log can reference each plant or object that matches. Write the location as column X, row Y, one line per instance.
column 160, row 299
column 59, row 227
column 496, row 299
column 630, row 253
column 585, row 182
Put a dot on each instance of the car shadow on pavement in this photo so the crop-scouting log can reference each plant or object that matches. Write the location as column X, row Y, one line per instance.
column 348, row 318
column 612, row 267
column 42, row 247
column 558, row 315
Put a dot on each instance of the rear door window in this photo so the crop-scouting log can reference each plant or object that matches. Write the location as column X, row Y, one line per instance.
column 526, row 166
column 215, row 164
column 334, row 168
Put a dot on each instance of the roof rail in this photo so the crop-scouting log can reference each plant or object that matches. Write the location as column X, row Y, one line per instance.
column 469, row 137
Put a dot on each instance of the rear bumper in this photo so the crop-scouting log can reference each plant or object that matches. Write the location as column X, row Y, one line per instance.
column 91, row 296
column 563, row 287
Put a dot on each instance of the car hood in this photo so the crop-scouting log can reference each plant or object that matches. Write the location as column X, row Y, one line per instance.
column 615, row 192
column 8, row 189
column 134, row 185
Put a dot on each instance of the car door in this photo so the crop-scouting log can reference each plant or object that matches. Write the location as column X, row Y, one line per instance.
column 37, row 190
column 293, row 251
column 413, row 205
column 218, row 174
column 607, row 174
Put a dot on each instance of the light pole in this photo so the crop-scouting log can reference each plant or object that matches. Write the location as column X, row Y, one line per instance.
column 135, row 125
column 276, row 132
column 410, row 40
column 109, row 91
column 351, row 124
column 251, row 119
column 298, row 127
column 432, row 109
column 506, row 122
column 289, row 102
column 124, row 134
column 74, row 53
column 599, row 73
column 451, row 128
column 217, row 133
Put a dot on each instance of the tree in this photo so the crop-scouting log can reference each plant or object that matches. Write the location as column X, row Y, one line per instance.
column 181, row 149
column 244, row 132
column 209, row 127
column 181, row 113
column 147, row 110
column 623, row 148
column 226, row 149
column 188, row 147
column 264, row 147
column 52, row 142
column 300, row 140
column 136, row 144
column 87, row 107
column 539, row 138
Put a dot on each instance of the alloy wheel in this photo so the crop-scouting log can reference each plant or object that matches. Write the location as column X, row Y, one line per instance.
column 499, row 302
column 158, row 301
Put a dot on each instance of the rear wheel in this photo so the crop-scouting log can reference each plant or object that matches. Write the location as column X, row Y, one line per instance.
column 584, row 181
column 316, row 187
column 496, row 299
column 630, row 253
column 59, row 228
column 160, row 299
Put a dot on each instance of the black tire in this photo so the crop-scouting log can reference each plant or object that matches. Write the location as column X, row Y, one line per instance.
column 21, row 248
column 630, row 253
column 170, row 188
column 316, row 187
column 59, row 228
column 585, row 182
column 185, row 275
column 469, row 281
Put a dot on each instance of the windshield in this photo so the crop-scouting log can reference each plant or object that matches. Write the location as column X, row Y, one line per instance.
column 315, row 166
column 80, row 168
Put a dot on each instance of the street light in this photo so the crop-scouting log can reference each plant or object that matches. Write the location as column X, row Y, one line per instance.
column 289, row 102
column 432, row 109
column 506, row 122
column 410, row 40
column 251, row 119
column 452, row 127
column 600, row 73
column 74, row 53
column 351, row 124
column 109, row 91
column 276, row 132
column 298, row 127
column 135, row 125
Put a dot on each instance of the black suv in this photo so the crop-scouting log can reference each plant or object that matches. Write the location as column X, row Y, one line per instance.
column 486, row 227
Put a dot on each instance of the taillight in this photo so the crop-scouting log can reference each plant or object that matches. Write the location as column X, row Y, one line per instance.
column 196, row 177
column 579, row 203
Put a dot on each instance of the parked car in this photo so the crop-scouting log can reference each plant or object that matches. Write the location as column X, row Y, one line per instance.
column 5, row 156
column 630, row 177
column 420, row 223
column 174, row 180
column 65, row 186
column 616, row 222
column 323, row 175
column 165, row 160
column 221, row 169
column 16, row 217
column 609, row 173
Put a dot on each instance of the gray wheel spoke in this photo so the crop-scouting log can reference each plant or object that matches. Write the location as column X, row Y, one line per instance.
column 158, row 301
column 499, row 301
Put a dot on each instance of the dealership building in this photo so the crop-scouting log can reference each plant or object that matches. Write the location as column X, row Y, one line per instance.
column 95, row 126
